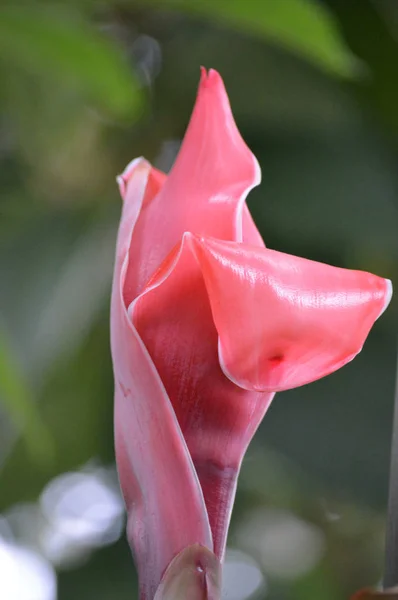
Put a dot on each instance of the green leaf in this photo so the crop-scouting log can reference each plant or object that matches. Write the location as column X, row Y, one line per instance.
column 304, row 27
column 17, row 399
column 370, row 33
column 69, row 51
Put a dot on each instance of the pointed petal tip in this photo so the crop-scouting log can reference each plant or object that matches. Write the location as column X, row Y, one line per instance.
column 123, row 179
column 203, row 75
column 214, row 76
column 211, row 80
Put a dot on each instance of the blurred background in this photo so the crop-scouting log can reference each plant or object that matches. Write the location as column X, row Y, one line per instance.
column 86, row 85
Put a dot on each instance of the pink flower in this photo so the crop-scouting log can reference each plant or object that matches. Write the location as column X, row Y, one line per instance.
column 207, row 324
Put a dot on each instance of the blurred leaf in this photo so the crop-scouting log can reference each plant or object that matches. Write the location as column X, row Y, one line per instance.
column 318, row 583
column 76, row 401
column 270, row 90
column 369, row 33
column 66, row 319
column 109, row 575
column 59, row 139
column 17, row 399
column 301, row 26
column 50, row 43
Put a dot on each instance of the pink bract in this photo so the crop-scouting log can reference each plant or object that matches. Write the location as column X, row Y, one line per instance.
column 207, row 324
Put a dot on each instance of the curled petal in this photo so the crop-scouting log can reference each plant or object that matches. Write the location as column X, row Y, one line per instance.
column 205, row 191
column 217, row 418
column 155, row 182
column 166, row 510
column 279, row 322
column 285, row 321
column 206, row 327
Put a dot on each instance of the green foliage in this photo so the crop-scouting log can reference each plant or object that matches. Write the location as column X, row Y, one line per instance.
column 373, row 39
column 325, row 133
column 18, row 401
column 303, row 27
column 66, row 50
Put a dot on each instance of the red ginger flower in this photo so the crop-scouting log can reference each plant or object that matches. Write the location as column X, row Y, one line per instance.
column 207, row 324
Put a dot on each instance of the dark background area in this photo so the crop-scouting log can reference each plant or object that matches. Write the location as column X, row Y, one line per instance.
column 87, row 85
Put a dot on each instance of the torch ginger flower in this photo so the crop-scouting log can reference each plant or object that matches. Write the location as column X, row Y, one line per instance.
column 206, row 325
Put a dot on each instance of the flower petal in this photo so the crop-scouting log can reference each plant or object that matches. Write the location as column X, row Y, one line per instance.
column 284, row 321
column 194, row 574
column 156, row 180
column 206, row 189
column 166, row 510
column 217, row 418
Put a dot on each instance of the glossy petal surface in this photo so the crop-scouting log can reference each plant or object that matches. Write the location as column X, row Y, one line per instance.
column 278, row 321
column 285, row 321
column 206, row 326
column 166, row 511
column 217, row 418
column 205, row 191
